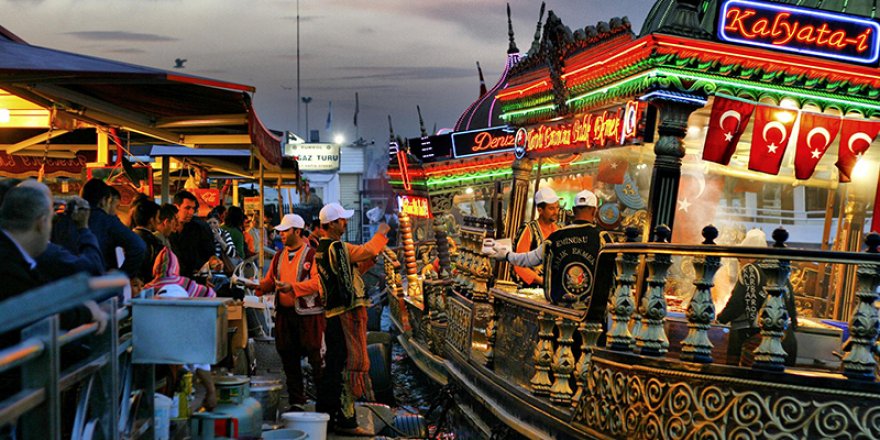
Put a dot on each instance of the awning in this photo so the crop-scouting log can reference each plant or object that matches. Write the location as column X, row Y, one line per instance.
column 153, row 104
column 226, row 163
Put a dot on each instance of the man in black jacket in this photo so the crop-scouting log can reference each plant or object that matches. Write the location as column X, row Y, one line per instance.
column 194, row 243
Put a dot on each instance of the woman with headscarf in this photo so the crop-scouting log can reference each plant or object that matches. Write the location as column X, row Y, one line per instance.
column 741, row 311
column 167, row 271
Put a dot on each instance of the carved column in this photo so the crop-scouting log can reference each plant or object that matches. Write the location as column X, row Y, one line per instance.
column 623, row 302
column 413, row 287
column 490, row 333
column 563, row 363
column 859, row 361
column 669, row 150
column 773, row 316
column 652, row 340
column 543, row 357
column 516, row 210
column 590, row 332
column 696, row 347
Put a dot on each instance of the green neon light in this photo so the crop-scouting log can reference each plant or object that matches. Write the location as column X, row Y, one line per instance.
column 476, row 177
column 818, row 96
column 551, row 166
column 608, row 88
column 528, row 110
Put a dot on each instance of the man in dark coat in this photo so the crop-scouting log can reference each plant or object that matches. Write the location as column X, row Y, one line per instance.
column 194, row 243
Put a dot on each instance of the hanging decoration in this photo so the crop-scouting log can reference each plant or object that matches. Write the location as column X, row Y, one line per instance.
column 855, row 138
column 816, row 134
column 770, row 135
column 727, row 123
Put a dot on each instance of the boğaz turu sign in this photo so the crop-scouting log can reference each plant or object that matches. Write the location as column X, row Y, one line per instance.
column 800, row 30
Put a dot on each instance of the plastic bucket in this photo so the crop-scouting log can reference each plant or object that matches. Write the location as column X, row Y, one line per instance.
column 162, row 416
column 286, row 434
column 312, row 423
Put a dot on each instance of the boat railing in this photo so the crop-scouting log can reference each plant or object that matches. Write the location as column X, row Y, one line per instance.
column 91, row 366
column 649, row 338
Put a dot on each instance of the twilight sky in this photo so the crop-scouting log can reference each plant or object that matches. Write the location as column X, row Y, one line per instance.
column 396, row 53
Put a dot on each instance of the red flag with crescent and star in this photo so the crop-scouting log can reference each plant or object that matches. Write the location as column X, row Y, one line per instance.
column 612, row 170
column 855, row 138
column 816, row 133
column 770, row 135
column 726, row 125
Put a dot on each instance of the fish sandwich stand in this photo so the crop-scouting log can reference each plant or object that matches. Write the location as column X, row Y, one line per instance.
column 711, row 124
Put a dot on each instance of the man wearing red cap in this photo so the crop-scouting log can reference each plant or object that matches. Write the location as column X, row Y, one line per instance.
column 347, row 365
column 299, row 311
column 533, row 233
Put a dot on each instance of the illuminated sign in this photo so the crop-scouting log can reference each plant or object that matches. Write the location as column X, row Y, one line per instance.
column 800, row 30
column 315, row 157
column 521, row 142
column 431, row 148
column 414, row 206
column 589, row 131
column 483, row 141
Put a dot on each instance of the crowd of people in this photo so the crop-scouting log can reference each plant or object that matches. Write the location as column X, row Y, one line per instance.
column 320, row 299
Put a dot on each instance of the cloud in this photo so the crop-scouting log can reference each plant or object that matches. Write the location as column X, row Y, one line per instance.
column 119, row 36
column 401, row 73
column 125, row 50
column 366, row 30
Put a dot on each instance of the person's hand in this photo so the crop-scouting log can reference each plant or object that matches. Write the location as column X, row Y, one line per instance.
column 99, row 316
column 383, row 228
column 79, row 211
column 281, row 286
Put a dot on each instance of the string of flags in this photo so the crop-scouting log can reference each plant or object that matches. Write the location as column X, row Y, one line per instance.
column 771, row 133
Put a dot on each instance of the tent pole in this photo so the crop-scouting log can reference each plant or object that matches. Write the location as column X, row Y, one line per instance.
column 166, row 179
column 258, row 247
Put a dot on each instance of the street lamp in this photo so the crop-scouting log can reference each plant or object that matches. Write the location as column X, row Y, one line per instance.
column 338, row 139
column 306, row 100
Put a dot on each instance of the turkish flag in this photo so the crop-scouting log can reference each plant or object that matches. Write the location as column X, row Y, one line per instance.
column 726, row 125
column 855, row 138
column 696, row 205
column 612, row 170
column 770, row 134
column 816, row 133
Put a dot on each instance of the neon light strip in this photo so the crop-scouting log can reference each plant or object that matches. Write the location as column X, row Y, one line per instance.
column 528, row 110
column 674, row 97
column 608, row 88
column 752, row 86
column 787, row 61
column 501, row 96
column 432, row 182
column 606, row 60
column 789, row 8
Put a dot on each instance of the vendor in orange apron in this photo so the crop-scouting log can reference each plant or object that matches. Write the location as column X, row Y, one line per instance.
column 533, row 233
column 299, row 312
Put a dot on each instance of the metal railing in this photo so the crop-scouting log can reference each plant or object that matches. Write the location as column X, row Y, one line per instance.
column 98, row 373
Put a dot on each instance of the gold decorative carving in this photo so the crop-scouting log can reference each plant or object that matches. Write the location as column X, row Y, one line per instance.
column 563, row 363
column 541, row 382
column 651, row 403
column 696, row 347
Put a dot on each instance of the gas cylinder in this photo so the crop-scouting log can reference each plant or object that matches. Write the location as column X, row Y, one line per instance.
column 234, row 402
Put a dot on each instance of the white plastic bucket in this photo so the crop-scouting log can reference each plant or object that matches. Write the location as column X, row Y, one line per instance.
column 285, row 434
column 162, row 416
column 312, row 423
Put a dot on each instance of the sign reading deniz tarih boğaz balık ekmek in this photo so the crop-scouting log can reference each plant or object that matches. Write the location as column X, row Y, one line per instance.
column 800, row 30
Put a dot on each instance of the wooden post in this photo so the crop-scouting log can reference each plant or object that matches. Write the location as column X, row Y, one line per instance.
column 623, row 303
column 773, row 315
column 258, row 247
column 280, row 198
column 859, row 361
column 652, row 339
column 235, row 201
column 697, row 347
column 166, row 179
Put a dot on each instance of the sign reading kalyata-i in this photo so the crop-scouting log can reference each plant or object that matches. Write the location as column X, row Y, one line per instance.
column 800, row 30
column 315, row 157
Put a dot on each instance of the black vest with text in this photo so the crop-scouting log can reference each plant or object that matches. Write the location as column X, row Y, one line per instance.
column 570, row 261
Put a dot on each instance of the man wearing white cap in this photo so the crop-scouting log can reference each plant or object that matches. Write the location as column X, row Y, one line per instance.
column 347, row 364
column 569, row 256
column 299, row 311
column 533, row 233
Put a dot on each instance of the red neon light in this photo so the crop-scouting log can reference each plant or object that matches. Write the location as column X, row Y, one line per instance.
column 590, row 130
column 519, row 91
column 782, row 31
column 776, row 59
column 604, row 61
column 404, row 169
column 485, row 141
